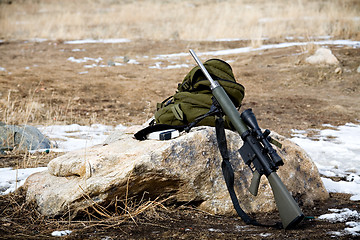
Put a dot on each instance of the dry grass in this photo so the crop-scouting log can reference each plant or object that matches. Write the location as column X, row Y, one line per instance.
column 21, row 220
column 189, row 20
column 21, row 111
column 37, row 110
column 121, row 210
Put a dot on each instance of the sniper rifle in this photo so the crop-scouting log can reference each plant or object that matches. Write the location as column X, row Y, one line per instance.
column 257, row 153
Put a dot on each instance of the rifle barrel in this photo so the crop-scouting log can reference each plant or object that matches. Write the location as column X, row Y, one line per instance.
column 213, row 83
column 223, row 99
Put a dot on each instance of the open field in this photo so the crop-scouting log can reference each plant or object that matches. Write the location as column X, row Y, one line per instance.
column 179, row 20
column 45, row 80
column 54, row 82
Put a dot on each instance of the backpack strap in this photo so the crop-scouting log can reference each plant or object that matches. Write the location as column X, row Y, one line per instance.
column 228, row 173
column 214, row 110
column 141, row 135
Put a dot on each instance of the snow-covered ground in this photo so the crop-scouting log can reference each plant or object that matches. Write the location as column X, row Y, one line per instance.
column 73, row 137
column 336, row 152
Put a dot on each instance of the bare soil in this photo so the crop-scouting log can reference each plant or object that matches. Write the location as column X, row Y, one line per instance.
column 284, row 92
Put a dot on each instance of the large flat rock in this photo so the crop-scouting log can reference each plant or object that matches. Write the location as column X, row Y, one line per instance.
column 188, row 168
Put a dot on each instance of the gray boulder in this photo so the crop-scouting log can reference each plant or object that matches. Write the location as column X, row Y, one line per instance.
column 22, row 137
column 188, row 168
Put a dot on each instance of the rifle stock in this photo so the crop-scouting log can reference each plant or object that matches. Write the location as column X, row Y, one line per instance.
column 256, row 152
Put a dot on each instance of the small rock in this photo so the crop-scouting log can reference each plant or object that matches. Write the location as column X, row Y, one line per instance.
column 338, row 70
column 110, row 63
column 358, row 69
column 322, row 56
column 22, row 137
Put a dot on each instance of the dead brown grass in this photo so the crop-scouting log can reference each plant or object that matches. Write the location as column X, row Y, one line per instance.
column 21, row 220
column 35, row 109
column 195, row 20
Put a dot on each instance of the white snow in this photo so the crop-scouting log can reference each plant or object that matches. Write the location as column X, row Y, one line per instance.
column 352, row 188
column 353, row 229
column 158, row 66
column 39, row 40
column 111, row 40
column 74, row 136
column 11, row 179
column 355, row 44
column 78, row 50
column 351, row 217
column 133, row 61
column 60, row 233
column 339, row 215
column 336, row 153
column 264, row 235
column 85, row 59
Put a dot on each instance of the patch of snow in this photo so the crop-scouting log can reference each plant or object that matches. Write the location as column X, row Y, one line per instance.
column 355, row 44
column 335, row 150
column 85, row 41
column 343, row 215
column 214, row 230
column 265, row 235
column 60, row 233
column 85, row 59
column 339, row 215
column 11, row 179
column 78, row 50
column 352, row 188
column 336, row 153
column 39, row 40
column 353, row 229
column 133, row 61
column 74, row 136
column 158, row 66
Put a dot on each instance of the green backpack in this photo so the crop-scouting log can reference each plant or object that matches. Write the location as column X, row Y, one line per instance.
column 193, row 98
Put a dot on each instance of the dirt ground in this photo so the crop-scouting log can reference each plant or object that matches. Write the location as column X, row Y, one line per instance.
column 284, row 92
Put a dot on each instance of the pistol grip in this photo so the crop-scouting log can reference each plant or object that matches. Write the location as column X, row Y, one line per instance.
column 255, row 181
